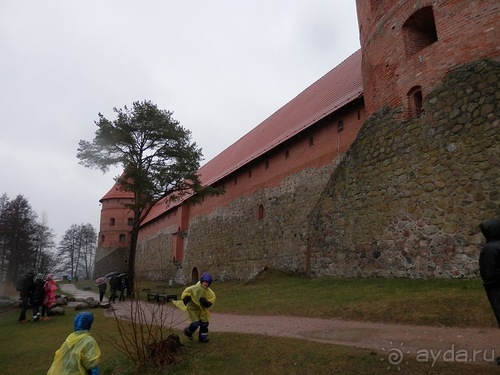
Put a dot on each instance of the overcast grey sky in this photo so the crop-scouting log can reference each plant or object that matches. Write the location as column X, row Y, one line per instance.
column 221, row 66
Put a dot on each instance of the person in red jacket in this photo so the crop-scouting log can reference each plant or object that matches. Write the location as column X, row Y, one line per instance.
column 49, row 295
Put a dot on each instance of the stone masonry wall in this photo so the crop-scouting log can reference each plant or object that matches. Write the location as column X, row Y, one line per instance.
column 232, row 243
column 154, row 257
column 407, row 199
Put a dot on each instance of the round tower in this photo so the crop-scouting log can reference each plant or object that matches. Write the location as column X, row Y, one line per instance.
column 409, row 45
column 114, row 232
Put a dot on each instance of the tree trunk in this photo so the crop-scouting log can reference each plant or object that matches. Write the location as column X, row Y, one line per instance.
column 134, row 234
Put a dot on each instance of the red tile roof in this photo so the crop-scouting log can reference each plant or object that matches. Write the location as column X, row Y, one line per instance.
column 116, row 193
column 331, row 92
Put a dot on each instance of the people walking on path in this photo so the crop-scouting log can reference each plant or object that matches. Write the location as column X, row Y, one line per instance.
column 25, row 292
column 113, row 286
column 102, row 290
column 122, row 286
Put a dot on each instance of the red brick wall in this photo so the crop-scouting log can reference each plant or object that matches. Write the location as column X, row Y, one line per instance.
column 113, row 209
column 327, row 145
column 465, row 31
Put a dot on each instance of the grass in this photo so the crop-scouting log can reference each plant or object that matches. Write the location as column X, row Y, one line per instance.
column 450, row 302
column 29, row 348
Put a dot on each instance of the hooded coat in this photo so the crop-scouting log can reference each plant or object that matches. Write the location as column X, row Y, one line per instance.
column 49, row 295
column 79, row 354
column 37, row 295
column 27, row 286
column 196, row 311
column 489, row 258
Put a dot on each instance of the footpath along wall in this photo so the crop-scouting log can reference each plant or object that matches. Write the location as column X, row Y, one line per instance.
column 407, row 199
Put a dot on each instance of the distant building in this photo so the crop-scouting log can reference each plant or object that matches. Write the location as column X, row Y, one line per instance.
column 383, row 167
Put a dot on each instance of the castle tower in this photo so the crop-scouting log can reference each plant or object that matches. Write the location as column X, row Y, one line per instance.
column 408, row 46
column 114, row 232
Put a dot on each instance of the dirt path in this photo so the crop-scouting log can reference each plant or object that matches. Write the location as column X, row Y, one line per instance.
column 474, row 345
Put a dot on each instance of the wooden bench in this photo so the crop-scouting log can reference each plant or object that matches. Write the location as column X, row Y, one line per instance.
column 160, row 296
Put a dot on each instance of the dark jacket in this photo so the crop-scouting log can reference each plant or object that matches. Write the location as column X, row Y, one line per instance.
column 489, row 259
column 102, row 287
column 37, row 296
column 122, row 284
column 113, row 283
column 27, row 287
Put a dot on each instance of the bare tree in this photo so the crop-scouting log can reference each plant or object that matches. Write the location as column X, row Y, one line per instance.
column 76, row 250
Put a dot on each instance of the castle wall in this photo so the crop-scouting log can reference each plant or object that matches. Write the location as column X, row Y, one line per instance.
column 227, row 236
column 403, row 200
column 408, row 198
column 233, row 242
column 391, row 67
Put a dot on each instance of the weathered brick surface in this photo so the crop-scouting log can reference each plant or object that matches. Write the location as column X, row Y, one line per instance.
column 466, row 31
column 233, row 243
column 408, row 198
column 225, row 234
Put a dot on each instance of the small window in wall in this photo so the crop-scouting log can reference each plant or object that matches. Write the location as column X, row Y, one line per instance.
column 419, row 31
column 194, row 275
column 103, row 238
column 340, row 126
column 267, row 164
column 287, row 154
column 130, row 221
column 236, row 180
column 261, row 212
column 122, row 238
column 112, row 222
column 414, row 102
column 311, row 141
column 249, row 173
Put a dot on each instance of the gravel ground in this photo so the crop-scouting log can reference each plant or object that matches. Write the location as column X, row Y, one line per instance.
column 475, row 345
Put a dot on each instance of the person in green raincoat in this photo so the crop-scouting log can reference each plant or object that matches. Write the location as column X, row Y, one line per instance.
column 79, row 354
column 198, row 299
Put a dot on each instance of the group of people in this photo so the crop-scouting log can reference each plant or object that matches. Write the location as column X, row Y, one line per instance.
column 40, row 293
column 117, row 283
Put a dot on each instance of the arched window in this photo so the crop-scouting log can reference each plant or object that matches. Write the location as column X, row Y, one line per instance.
column 130, row 221
column 414, row 102
column 261, row 212
column 122, row 238
column 112, row 222
column 419, row 31
column 194, row 275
